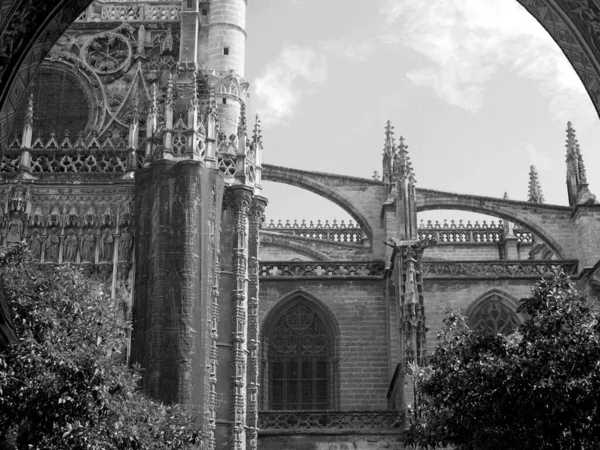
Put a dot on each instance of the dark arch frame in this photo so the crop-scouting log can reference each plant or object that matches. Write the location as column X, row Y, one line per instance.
column 29, row 28
column 300, row 296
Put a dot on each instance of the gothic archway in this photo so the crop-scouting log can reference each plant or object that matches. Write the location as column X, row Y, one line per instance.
column 494, row 313
column 299, row 356
column 29, row 29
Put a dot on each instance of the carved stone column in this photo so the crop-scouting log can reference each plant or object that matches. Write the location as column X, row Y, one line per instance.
column 406, row 277
column 176, row 241
column 257, row 211
column 233, row 306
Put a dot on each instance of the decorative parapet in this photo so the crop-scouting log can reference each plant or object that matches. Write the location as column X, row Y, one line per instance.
column 330, row 422
column 496, row 269
column 311, row 269
column 334, row 232
column 132, row 11
column 275, row 270
column 63, row 156
column 477, row 233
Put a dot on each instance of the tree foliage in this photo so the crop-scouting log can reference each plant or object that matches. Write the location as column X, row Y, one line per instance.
column 538, row 388
column 65, row 384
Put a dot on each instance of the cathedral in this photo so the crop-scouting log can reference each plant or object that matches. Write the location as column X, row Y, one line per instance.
column 131, row 156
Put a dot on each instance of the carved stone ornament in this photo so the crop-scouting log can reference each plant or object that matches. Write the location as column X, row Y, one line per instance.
column 106, row 245
column 88, row 246
column 36, row 242
column 108, row 53
column 52, row 246
column 70, row 245
column 15, row 230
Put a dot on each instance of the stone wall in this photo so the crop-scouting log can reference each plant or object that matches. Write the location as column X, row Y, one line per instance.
column 358, row 307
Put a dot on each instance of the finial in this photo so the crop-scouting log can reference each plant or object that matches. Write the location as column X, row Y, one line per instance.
column 135, row 113
column 154, row 107
column 402, row 160
column 390, row 144
column 29, row 113
column 535, row 189
column 211, row 105
column 169, row 98
column 194, row 97
column 242, row 124
column 571, row 140
column 257, row 133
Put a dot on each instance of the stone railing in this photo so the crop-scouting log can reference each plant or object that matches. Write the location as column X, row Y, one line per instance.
column 329, row 269
column 476, row 233
column 334, row 232
column 496, row 269
column 330, row 422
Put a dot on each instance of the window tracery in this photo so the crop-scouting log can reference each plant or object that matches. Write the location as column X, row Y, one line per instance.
column 300, row 364
column 493, row 316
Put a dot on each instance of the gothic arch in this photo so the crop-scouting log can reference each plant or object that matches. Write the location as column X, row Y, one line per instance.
column 303, row 180
column 529, row 215
column 289, row 303
column 494, row 312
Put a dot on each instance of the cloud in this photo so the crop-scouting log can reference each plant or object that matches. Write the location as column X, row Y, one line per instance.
column 540, row 160
column 467, row 42
column 286, row 80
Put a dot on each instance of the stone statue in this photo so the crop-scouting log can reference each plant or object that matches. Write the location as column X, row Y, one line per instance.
column 36, row 242
column 51, row 246
column 125, row 242
column 88, row 246
column 70, row 247
column 106, row 245
column 15, row 230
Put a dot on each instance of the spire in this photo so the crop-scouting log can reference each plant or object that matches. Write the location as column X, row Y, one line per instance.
column 389, row 147
column 29, row 113
column 389, row 150
column 577, row 185
column 28, row 125
column 242, row 123
column 169, row 96
column 535, row 189
column 154, row 101
column 257, row 133
column 194, row 95
column 403, row 164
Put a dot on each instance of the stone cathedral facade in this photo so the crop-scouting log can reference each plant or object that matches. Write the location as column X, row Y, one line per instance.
column 132, row 157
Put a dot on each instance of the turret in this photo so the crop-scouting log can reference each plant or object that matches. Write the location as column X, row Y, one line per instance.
column 535, row 189
column 225, row 59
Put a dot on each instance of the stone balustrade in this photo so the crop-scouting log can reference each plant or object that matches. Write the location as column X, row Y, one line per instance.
column 330, row 422
column 335, row 232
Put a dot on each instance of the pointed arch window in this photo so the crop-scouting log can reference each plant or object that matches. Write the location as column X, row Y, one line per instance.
column 300, row 363
column 493, row 316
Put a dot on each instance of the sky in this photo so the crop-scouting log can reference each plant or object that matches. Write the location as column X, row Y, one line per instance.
column 478, row 88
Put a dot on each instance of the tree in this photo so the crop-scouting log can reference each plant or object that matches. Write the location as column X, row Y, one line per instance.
column 538, row 388
column 64, row 385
